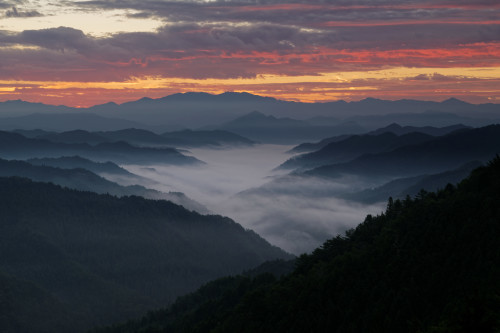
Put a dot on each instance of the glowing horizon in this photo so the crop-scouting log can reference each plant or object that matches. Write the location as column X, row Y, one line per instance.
column 302, row 51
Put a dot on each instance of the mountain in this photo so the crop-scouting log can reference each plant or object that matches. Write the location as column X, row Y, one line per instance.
column 214, row 138
column 136, row 137
column 352, row 147
column 142, row 137
column 196, row 110
column 438, row 155
column 75, row 162
column 26, row 308
column 32, row 134
column 18, row 107
column 75, row 136
column 189, row 110
column 401, row 187
column 16, row 146
column 427, row 264
column 60, row 122
column 269, row 129
column 428, row 118
column 392, row 128
column 429, row 130
column 259, row 119
column 307, row 147
column 96, row 259
column 85, row 180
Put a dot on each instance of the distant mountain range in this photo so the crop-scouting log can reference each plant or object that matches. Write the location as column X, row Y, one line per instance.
column 270, row 129
column 195, row 110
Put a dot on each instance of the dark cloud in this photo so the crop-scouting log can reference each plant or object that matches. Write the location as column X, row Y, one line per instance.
column 243, row 39
column 296, row 12
column 14, row 12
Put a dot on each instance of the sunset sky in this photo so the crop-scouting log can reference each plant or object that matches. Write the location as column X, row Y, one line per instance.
column 82, row 53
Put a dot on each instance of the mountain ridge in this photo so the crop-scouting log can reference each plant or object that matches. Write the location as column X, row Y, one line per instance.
column 105, row 258
column 198, row 110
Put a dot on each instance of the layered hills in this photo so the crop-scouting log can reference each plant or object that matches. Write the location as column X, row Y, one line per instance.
column 392, row 128
column 431, row 156
column 16, row 146
column 426, row 264
column 201, row 110
column 142, row 137
column 75, row 173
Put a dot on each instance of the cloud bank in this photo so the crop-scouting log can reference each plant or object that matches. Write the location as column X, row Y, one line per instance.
column 199, row 41
column 297, row 216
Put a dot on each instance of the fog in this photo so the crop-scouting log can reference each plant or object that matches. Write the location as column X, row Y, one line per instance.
column 295, row 214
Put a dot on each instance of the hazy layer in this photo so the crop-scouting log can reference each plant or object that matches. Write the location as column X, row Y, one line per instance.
column 296, row 215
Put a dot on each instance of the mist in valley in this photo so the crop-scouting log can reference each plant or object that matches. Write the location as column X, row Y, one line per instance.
column 294, row 213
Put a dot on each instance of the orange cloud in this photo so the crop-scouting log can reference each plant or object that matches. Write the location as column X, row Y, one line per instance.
column 471, row 84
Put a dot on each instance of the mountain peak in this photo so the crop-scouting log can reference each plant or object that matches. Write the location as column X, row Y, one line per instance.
column 454, row 101
column 244, row 96
column 393, row 126
column 254, row 116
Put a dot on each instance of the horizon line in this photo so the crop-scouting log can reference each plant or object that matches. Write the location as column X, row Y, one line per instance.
column 247, row 93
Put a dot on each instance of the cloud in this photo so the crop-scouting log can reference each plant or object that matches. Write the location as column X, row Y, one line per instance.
column 252, row 39
column 295, row 215
column 298, row 223
column 196, row 50
column 14, row 12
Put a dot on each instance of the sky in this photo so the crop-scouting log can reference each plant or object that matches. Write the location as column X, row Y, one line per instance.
column 82, row 53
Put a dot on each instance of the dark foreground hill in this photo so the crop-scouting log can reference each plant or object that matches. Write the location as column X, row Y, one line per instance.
column 427, row 264
column 70, row 260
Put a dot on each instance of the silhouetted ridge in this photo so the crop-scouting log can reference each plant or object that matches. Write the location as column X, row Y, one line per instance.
column 16, row 146
column 432, row 156
column 392, row 128
column 96, row 259
column 354, row 146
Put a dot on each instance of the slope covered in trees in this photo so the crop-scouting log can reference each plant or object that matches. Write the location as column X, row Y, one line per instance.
column 427, row 264
column 94, row 259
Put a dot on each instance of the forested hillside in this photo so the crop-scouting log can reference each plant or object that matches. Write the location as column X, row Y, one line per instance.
column 427, row 264
column 70, row 259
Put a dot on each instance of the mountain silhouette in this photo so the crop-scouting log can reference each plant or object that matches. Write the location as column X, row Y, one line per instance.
column 437, row 155
column 95, row 259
